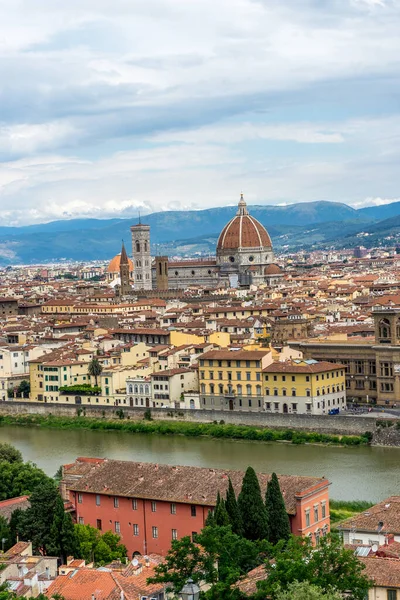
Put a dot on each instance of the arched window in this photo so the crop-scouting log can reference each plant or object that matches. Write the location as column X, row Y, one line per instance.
column 136, row 389
column 258, row 390
column 137, row 246
column 248, row 390
column 130, row 389
column 220, row 388
column 145, row 246
column 141, row 389
column 398, row 328
column 384, row 329
column 239, row 389
column 211, row 388
column 203, row 388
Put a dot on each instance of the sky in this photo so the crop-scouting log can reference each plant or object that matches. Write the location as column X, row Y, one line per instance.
column 108, row 108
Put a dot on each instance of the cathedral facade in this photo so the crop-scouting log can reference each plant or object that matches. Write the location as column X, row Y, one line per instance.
column 244, row 256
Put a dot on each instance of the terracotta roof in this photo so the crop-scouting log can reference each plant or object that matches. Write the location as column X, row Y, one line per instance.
column 189, row 485
column 114, row 264
column 234, row 354
column 243, row 231
column 289, row 367
column 385, row 572
column 383, row 517
column 7, row 507
column 248, row 585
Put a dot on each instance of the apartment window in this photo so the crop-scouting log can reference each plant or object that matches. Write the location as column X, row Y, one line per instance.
column 193, row 510
column 283, row 377
column 173, row 508
column 293, row 392
column 174, row 534
column 220, row 375
column 154, row 532
column 323, row 510
column 248, row 364
column 283, row 391
column 134, row 504
column 117, row 527
column 266, row 377
column 116, row 502
column 293, row 377
column 153, row 506
column 202, row 373
column 211, row 363
column 211, row 374
column 275, row 378
column 307, row 378
column 238, row 363
column 294, row 406
column 307, row 518
column 316, row 515
column 267, row 391
column 386, row 369
column 372, row 367
column 386, row 387
column 80, row 521
column 308, row 393
column 238, row 376
column 79, row 498
column 275, row 392
column 268, row 405
column 98, row 524
column 97, row 499
column 135, row 529
column 229, row 375
column 392, row 595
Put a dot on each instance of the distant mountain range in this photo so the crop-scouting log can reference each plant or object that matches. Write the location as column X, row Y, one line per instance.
column 303, row 225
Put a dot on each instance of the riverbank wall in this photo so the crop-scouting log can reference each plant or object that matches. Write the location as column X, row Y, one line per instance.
column 385, row 432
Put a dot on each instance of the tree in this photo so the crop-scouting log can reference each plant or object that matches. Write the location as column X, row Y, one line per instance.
column 221, row 516
column 278, row 520
column 5, row 534
column 307, row 591
column 18, row 479
column 62, row 540
column 24, row 389
column 42, row 523
column 184, row 560
column 93, row 546
column 252, row 508
column 95, row 369
column 329, row 566
column 10, row 454
column 233, row 511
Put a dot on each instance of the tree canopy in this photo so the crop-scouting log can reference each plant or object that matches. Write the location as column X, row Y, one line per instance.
column 18, row 478
column 329, row 566
column 10, row 454
column 307, row 591
column 252, row 509
column 277, row 517
column 94, row 546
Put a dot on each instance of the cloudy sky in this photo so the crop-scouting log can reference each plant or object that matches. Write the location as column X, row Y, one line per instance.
column 108, row 107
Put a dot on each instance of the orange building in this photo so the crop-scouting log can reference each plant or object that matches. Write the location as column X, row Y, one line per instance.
column 149, row 505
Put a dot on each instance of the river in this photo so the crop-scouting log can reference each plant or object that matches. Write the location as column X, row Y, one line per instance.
column 365, row 473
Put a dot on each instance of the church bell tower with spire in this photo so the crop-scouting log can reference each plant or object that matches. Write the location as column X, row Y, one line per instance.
column 125, row 288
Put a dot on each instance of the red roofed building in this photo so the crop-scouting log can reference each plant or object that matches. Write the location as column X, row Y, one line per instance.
column 149, row 505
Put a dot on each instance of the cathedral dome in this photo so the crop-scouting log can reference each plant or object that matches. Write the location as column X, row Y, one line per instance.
column 273, row 270
column 114, row 264
column 243, row 231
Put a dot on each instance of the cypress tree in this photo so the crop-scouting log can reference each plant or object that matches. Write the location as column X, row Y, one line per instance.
column 232, row 509
column 221, row 517
column 252, row 508
column 277, row 518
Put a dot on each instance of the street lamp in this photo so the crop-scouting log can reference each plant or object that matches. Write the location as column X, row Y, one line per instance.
column 190, row 591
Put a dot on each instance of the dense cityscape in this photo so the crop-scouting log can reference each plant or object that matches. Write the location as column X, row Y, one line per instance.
column 199, row 300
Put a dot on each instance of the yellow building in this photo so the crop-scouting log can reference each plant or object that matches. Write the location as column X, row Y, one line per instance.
column 232, row 379
column 304, row 387
column 250, row 380
column 47, row 376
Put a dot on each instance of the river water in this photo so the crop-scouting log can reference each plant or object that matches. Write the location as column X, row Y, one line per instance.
column 365, row 473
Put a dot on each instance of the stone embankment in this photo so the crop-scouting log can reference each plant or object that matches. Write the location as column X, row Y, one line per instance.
column 385, row 432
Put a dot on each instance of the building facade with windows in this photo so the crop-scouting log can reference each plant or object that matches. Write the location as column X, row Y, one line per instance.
column 149, row 505
column 372, row 368
column 232, row 380
column 304, row 387
column 247, row 380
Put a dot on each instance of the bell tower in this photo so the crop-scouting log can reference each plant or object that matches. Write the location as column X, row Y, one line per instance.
column 125, row 289
column 141, row 256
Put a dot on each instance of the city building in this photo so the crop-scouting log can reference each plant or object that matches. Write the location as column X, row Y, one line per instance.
column 304, row 387
column 374, row 525
column 149, row 505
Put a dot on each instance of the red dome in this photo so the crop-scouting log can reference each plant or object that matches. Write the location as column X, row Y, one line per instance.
column 243, row 231
column 273, row 270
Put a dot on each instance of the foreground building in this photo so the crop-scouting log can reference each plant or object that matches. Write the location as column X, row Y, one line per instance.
column 149, row 505
column 377, row 525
